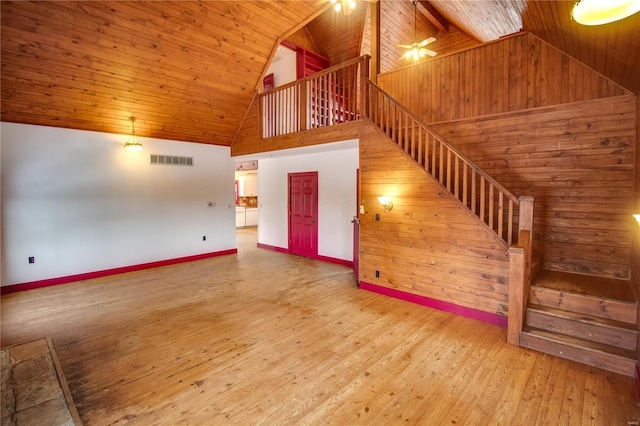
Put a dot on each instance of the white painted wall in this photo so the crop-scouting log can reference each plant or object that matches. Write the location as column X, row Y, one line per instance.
column 79, row 202
column 283, row 66
column 336, row 199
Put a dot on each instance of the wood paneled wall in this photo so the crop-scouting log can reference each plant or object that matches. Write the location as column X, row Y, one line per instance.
column 635, row 251
column 304, row 39
column 427, row 244
column 396, row 21
column 577, row 160
column 512, row 74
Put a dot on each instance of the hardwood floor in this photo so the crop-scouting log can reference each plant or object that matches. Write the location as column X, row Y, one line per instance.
column 267, row 338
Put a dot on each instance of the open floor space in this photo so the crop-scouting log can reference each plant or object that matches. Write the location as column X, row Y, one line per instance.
column 263, row 337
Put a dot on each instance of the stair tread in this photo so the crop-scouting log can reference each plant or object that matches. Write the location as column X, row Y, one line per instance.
column 578, row 343
column 582, row 317
column 587, row 285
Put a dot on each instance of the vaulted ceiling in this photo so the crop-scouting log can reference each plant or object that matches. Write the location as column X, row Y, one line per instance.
column 188, row 70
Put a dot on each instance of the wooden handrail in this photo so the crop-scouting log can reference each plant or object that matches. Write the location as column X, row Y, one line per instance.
column 435, row 134
column 320, row 73
column 480, row 193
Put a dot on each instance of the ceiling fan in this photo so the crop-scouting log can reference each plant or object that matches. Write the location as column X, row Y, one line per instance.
column 417, row 50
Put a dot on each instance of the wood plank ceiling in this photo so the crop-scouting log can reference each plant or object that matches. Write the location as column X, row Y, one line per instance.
column 613, row 49
column 187, row 70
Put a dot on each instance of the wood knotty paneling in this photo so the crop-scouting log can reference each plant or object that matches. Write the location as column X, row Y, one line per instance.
column 516, row 73
column 339, row 36
column 612, row 49
column 186, row 70
column 635, row 250
column 427, row 244
column 397, row 27
column 577, row 160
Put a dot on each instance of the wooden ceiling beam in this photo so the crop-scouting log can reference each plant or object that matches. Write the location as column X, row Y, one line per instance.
column 432, row 14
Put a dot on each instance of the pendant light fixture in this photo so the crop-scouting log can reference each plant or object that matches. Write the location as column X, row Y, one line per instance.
column 599, row 12
column 133, row 143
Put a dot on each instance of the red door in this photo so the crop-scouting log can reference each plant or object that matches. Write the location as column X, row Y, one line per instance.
column 356, row 232
column 303, row 214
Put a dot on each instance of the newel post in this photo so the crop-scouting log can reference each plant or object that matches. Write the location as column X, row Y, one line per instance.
column 364, row 76
column 520, row 272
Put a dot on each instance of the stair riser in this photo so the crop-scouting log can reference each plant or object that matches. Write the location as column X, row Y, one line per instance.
column 614, row 336
column 605, row 361
column 588, row 305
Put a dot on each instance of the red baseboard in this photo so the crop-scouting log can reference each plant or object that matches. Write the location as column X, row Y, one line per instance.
column 273, row 248
column 107, row 272
column 476, row 314
column 317, row 257
column 335, row 260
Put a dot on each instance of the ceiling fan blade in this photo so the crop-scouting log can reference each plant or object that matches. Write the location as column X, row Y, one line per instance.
column 426, row 41
column 429, row 52
column 405, row 46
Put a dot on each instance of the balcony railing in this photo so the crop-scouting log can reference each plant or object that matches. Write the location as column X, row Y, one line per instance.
column 329, row 97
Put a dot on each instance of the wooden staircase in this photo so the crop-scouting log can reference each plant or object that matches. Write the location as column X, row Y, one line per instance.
column 583, row 318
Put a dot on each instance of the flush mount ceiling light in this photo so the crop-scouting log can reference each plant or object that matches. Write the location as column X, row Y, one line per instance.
column 343, row 5
column 133, row 143
column 599, row 12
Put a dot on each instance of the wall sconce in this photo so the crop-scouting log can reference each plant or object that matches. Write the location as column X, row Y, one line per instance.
column 637, row 217
column 133, row 143
column 599, row 12
column 386, row 203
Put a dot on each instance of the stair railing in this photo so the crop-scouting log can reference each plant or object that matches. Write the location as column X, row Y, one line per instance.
column 326, row 98
column 495, row 207
column 482, row 195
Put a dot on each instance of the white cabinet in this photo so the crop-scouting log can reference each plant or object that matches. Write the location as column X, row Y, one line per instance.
column 240, row 217
column 251, row 217
column 248, row 186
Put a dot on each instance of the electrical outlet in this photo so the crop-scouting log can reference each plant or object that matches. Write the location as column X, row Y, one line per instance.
column 204, row 238
column 32, row 259
column 378, row 217
column 377, row 274
column 211, row 203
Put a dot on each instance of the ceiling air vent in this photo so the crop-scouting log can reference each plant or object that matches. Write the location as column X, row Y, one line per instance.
column 171, row 160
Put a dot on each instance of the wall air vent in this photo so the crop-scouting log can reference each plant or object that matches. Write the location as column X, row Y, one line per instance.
column 171, row 160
